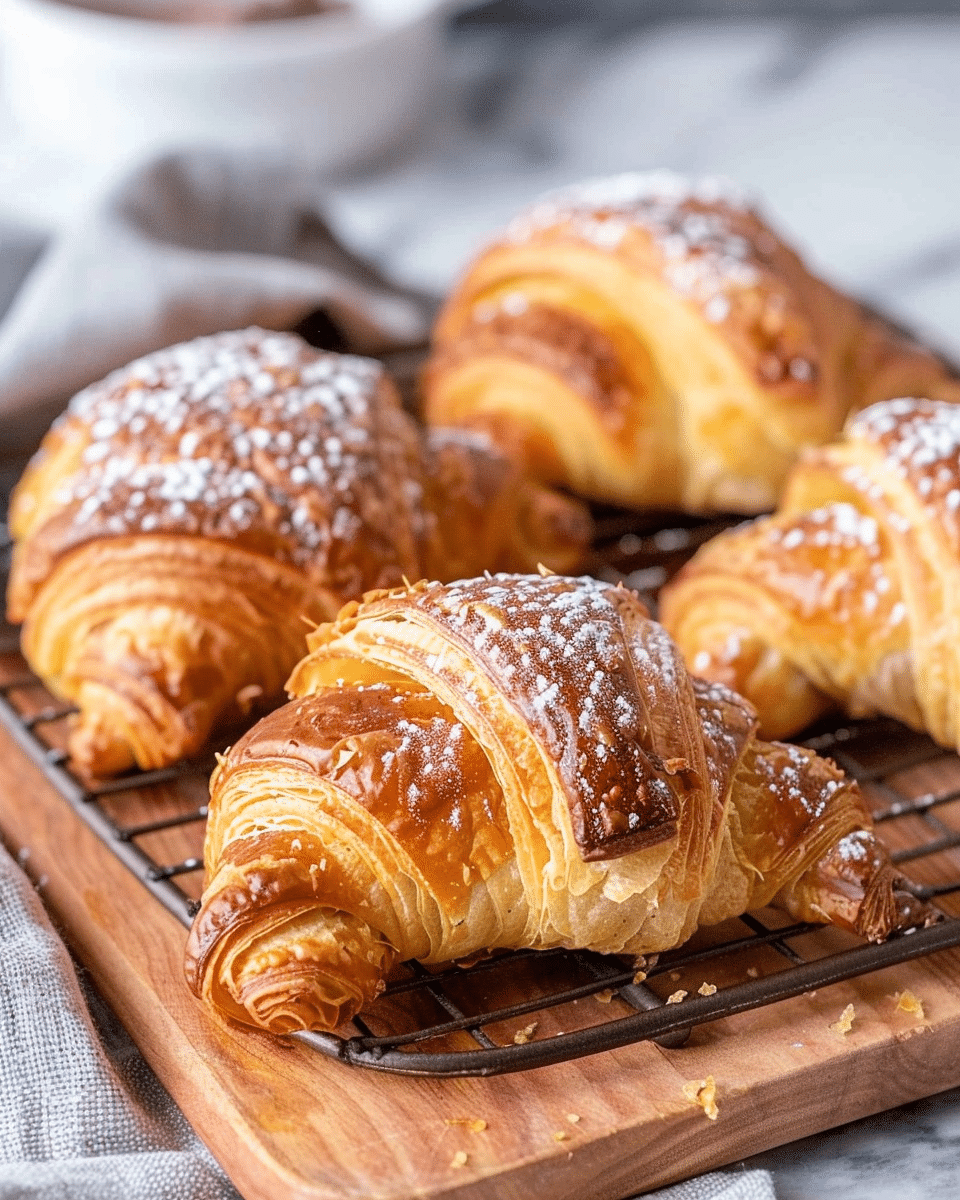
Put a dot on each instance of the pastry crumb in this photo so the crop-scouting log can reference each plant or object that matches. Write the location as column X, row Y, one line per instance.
column 474, row 1124
column 907, row 1002
column 753, row 972
column 676, row 997
column 704, row 1093
column 573, row 1118
column 706, row 989
column 605, row 996
column 845, row 1023
column 560, row 1135
column 522, row 1036
column 639, row 977
column 460, row 1159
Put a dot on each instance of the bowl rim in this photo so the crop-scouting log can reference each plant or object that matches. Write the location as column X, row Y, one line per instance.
column 333, row 31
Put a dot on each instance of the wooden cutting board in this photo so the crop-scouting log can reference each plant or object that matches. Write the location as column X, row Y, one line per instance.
column 286, row 1122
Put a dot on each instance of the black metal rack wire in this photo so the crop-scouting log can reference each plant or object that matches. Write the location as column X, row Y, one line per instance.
column 515, row 1011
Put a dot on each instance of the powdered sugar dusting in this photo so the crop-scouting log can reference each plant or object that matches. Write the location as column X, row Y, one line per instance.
column 243, row 433
column 836, row 559
column 623, row 196
column 728, row 723
column 841, row 526
column 705, row 249
column 801, row 784
column 921, row 444
column 712, row 250
column 559, row 648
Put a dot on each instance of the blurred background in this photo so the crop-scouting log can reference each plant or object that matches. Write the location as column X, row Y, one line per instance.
column 418, row 126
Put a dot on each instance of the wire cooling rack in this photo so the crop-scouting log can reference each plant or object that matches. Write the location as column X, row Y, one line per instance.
column 520, row 1010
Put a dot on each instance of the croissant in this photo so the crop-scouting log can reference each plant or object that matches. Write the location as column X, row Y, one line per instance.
column 513, row 761
column 185, row 515
column 849, row 596
column 651, row 342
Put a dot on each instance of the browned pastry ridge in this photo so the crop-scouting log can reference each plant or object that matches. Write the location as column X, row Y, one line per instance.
column 512, row 761
column 185, row 516
column 650, row 341
column 849, row 596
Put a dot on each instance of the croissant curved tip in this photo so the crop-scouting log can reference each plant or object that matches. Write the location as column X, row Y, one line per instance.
column 900, row 912
column 855, row 886
column 279, row 970
column 288, row 1003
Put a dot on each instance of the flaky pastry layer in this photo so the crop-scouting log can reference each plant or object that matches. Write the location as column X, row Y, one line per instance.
column 848, row 596
column 187, row 515
column 651, row 342
column 513, row 761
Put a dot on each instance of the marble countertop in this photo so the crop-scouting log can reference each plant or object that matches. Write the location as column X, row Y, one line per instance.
column 908, row 1153
column 846, row 130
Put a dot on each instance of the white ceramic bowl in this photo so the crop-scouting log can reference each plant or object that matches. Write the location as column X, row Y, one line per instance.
column 331, row 89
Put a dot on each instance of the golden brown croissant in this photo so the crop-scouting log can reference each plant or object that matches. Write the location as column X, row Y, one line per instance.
column 651, row 342
column 514, row 761
column 850, row 594
column 186, row 514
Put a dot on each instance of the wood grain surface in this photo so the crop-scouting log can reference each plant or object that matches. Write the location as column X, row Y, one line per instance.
column 287, row 1122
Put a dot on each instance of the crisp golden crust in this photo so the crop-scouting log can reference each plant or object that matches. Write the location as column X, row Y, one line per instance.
column 251, row 438
column 561, row 343
column 384, row 745
column 186, row 514
column 846, row 596
column 489, row 515
column 515, row 761
column 156, row 639
column 651, row 341
column 509, row 630
column 709, row 247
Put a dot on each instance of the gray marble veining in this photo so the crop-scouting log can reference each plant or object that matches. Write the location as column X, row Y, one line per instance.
column 909, row 1153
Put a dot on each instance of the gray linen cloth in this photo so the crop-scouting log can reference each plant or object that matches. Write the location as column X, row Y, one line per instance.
column 189, row 245
column 185, row 246
column 82, row 1116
